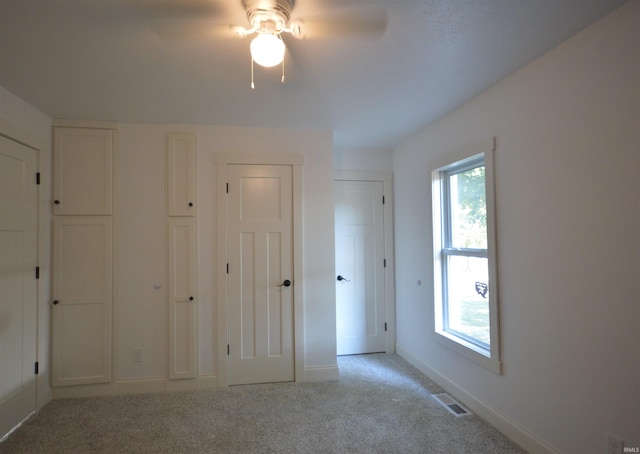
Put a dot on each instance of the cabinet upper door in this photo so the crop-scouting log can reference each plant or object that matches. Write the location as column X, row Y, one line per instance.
column 82, row 166
column 181, row 174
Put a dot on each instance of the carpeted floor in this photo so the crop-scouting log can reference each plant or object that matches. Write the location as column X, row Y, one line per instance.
column 380, row 404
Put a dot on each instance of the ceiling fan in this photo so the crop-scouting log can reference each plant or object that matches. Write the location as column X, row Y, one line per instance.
column 269, row 21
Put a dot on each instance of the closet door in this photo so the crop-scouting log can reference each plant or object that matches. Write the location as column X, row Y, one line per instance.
column 182, row 298
column 82, row 300
column 82, row 166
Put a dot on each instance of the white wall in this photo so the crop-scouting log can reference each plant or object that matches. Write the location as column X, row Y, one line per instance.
column 363, row 160
column 141, row 309
column 20, row 121
column 568, row 217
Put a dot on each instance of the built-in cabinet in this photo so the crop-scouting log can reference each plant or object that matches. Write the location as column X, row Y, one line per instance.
column 182, row 260
column 83, row 265
column 82, row 272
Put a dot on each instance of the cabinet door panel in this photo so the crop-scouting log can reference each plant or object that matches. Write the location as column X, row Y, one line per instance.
column 181, row 170
column 82, row 300
column 82, row 168
column 182, row 298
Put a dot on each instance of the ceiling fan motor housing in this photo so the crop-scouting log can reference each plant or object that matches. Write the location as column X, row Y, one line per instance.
column 269, row 11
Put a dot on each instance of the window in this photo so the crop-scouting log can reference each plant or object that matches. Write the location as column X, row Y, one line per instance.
column 465, row 281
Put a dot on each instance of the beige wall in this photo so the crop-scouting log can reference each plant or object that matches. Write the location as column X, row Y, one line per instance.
column 567, row 163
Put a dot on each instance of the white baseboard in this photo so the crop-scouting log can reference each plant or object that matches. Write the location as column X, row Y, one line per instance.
column 43, row 399
column 321, row 373
column 141, row 386
column 161, row 384
column 500, row 421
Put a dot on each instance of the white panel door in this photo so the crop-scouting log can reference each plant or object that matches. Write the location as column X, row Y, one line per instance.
column 82, row 167
column 18, row 242
column 182, row 299
column 82, row 300
column 360, row 292
column 260, row 256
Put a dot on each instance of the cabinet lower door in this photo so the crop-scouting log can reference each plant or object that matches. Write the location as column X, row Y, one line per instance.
column 182, row 298
column 81, row 314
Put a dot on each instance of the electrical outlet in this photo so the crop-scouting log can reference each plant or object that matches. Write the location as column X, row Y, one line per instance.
column 137, row 355
column 614, row 444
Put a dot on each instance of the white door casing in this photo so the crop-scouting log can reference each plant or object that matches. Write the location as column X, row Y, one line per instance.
column 259, row 217
column 265, row 326
column 360, row 261
column 18, row 258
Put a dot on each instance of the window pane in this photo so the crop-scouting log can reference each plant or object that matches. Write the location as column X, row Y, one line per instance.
column 468, row 292
column 468, row 209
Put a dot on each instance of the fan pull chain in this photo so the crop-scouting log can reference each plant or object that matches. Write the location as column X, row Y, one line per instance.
column 253, row 86
column 283, row 58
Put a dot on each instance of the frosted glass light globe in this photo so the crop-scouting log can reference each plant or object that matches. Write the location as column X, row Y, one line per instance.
column 267, row 50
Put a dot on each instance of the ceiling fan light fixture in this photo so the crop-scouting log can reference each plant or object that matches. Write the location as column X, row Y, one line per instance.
column 267, row 50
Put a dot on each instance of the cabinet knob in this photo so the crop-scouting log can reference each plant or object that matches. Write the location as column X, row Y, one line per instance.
column 54, row 302
column 191, row 298
column 57, row 202
column 190, row 204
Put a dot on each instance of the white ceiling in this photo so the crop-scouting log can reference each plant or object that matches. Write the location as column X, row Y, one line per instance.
column 102, row 60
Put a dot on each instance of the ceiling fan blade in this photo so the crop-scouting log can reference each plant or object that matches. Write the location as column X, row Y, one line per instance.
column 178, row 9
column 368, row 24
column 185, row 30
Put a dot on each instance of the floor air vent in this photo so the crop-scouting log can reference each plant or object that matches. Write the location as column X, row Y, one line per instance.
column 451, row 404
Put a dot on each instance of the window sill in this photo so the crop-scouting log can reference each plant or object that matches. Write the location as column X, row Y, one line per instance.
column 469, row 350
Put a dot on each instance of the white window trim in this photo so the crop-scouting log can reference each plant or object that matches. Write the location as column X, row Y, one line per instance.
column 489, row 359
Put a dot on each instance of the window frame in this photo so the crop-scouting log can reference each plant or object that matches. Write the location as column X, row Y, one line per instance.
column 465, row 159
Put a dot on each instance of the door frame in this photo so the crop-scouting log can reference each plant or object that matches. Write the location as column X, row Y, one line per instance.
column 389, row 271
column 222, row 160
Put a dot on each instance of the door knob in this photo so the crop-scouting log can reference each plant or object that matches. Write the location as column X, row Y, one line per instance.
column 340, row 278
column 285, row 283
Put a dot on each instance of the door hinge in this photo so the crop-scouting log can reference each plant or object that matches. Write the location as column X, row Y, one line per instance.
column 37, row 272
column 227, row 188
column 227, row 349
column 227, row 268
column 384, row 263
column 36, row 368
column 37, row 177
column 383, row 200
column 385, row 326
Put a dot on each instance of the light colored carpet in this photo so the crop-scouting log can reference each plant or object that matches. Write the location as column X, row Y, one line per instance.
column 380, row 404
